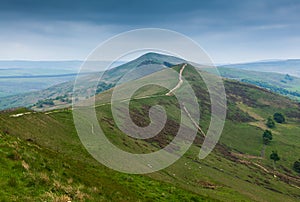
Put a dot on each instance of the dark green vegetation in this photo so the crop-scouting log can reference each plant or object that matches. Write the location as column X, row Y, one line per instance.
column 49, row 146
column 275, row 157
column 270, row 122
column 279, row 117
column 297, row 166
column 41, row 103
column 267, row 137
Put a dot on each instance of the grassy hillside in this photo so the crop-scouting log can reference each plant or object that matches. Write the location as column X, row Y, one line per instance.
column 290, row 66
column 49, row 171
column 235, row 171
column 283, row 84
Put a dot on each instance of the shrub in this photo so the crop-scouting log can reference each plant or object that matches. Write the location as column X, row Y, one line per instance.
column 270, row 123
column 267, row 137
column 279, row 117
column 275, row 157
column 297, row 166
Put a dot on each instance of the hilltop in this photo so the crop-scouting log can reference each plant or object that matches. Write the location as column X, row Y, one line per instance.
column 61, row 93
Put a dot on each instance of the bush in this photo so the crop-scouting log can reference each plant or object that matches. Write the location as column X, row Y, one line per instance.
column 270, row 123
column 48, row 102
column 279, row 117
column 297, row 166
column 275, row 157
column 41, row 103
column 267, row 137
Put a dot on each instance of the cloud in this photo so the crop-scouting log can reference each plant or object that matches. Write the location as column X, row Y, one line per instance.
column 71, row 29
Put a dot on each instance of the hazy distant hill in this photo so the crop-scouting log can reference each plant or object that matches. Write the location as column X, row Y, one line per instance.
column 18, row 77
column 144, row 65
column 284, row 84
column 291, row 66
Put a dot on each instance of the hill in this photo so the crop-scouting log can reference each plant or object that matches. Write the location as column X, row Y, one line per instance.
column 61, row 94
column 235, row 171
column 283, row 84
column 261, row 74
column 30, row 172
column 290, row 66
column 18, row 77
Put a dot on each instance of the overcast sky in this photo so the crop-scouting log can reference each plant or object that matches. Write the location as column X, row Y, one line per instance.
column 229, row 31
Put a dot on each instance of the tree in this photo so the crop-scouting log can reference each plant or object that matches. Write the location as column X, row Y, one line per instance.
column 270, row 122
column 297, row 166
column 267, row 137
column 275, row 157
column 279, row 117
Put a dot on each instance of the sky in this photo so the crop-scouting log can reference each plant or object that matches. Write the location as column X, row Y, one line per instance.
column 229, row 31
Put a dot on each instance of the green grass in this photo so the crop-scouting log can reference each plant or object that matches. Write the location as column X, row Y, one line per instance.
column 52, row 142
column 33, row 173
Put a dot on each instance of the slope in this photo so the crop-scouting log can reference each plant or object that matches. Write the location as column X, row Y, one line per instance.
column 233, row 172
column 30, row 172
column 283, row 84
column 290, row 66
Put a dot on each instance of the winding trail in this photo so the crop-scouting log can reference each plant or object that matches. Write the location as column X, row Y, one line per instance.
column 193, row 121
column 170, row 93
column 179, row 82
